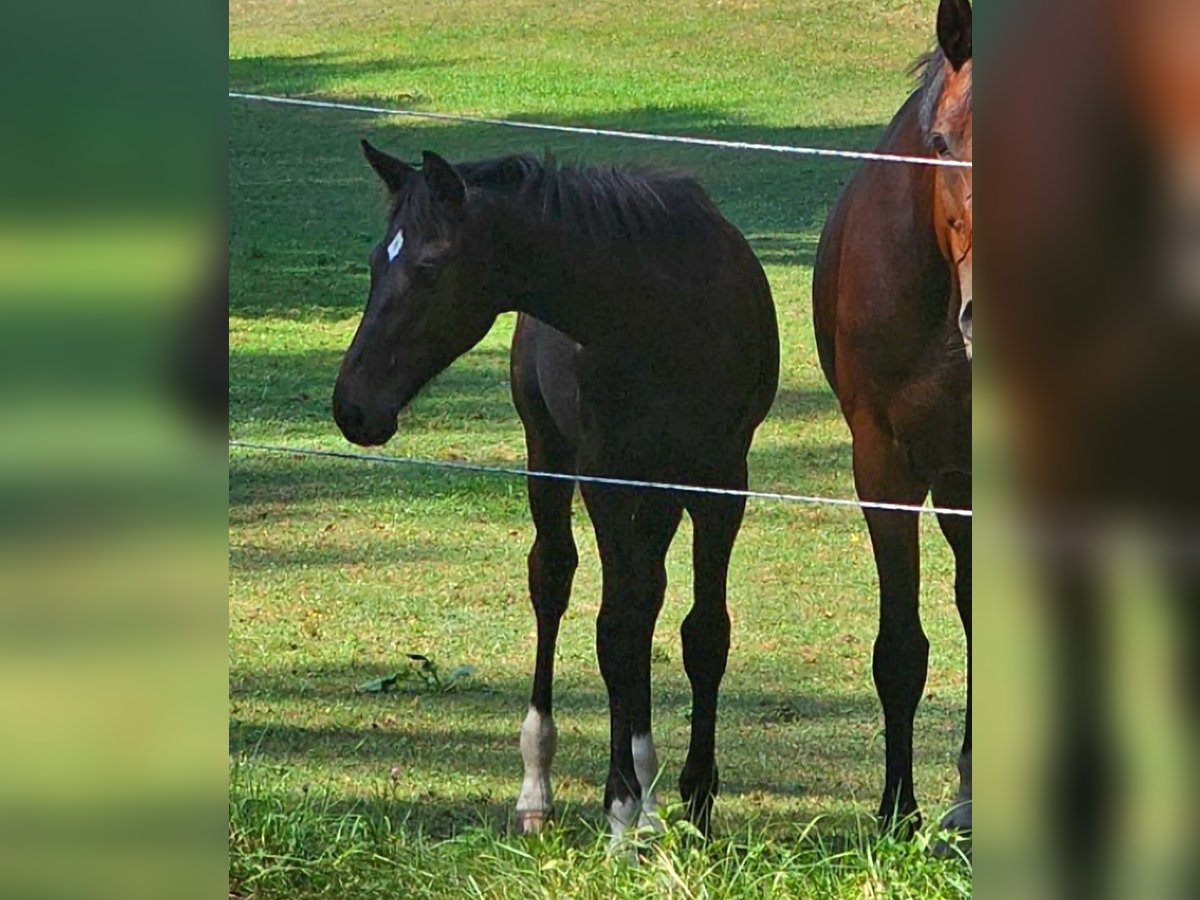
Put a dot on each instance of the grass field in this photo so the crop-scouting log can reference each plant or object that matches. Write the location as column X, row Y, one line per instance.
column 338, row 570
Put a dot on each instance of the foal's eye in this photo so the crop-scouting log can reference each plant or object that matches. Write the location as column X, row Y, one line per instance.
column 424, row 271
column 937, row 143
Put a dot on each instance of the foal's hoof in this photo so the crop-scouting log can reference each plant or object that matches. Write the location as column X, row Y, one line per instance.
column 901, row 827
column 955, row 838
column 650, row 822
column 533, row 821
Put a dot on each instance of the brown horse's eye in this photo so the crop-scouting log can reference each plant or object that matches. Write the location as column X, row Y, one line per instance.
column 937, row 143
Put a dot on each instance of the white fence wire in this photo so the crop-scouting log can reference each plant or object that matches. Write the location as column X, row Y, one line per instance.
column 608, row 132
column 513, row 471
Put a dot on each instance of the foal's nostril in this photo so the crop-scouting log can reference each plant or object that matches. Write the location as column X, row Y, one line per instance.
column 349, row 416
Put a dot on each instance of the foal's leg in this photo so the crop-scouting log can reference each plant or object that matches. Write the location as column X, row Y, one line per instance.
column 900, row 660
column 633, row 533
column 955, row 492
column 552, row 562
column 705, row 634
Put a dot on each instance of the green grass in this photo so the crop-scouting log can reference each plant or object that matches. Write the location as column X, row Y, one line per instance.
column 339, row 569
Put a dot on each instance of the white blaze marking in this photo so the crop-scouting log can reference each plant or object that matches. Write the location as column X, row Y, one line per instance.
column 395, row 245
column 539, row 740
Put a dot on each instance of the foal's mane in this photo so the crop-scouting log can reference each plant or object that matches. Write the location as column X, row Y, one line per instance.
column 605, row 202
column 930, row 73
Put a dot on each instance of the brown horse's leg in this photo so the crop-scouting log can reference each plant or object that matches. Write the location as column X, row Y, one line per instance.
column 955, row 492
column 901, row 655
column 633, row 533
column 1183, row 571
column 705, row 634
column 552, row 563
column 1083, row 762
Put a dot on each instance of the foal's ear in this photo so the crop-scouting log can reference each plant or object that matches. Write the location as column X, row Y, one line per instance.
column 446, row 187
column 394, row 172
column 954, row 31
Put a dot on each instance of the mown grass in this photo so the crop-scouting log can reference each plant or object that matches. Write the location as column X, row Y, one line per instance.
column 338, row 570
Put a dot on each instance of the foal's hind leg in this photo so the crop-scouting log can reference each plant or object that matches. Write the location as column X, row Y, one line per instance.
column 705, row 634
column 900, row 660
column 552, row 563
column 955, row 492
column 633, row 533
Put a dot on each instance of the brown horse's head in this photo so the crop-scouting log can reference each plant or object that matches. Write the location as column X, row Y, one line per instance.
column 425, row 306
column 946, row 121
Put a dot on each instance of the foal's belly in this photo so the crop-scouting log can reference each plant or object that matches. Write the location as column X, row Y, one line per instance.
column 634, row 409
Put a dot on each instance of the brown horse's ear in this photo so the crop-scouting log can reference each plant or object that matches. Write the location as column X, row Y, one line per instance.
column 446, row 187
column 954, row 31
column 394, row 172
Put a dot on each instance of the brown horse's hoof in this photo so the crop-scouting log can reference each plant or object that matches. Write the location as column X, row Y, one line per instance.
column 954, row 840
column 952, row 845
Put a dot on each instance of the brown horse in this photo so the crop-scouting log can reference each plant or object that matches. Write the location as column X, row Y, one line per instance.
column 1096, row 351
column 892, row 313
column 646, row 348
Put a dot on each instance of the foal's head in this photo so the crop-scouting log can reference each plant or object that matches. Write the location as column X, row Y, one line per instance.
column 426, row 305
column 946, row 122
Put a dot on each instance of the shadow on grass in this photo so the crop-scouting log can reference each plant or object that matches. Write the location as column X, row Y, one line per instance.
column 314, row 72
column 474, row 734
column 249, row 558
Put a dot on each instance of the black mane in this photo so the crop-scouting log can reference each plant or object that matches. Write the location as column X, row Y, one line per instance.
column 598, row 202
column 930, row 73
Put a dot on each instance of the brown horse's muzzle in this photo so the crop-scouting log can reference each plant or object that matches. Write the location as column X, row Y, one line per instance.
column 964, row 325
column 964, row 299
column 367, row 424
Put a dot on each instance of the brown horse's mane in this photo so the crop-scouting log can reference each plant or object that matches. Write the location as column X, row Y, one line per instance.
column 930, row 73
column 606, row 202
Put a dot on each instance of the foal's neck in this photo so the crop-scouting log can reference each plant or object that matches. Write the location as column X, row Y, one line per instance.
column 573, row 284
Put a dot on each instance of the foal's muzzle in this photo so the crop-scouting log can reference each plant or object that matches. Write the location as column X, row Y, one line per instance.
column 362, row 425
